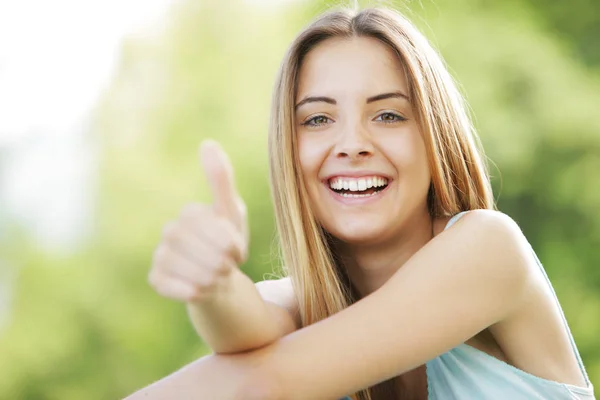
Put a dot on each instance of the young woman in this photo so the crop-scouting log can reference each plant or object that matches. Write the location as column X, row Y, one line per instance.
column 403, row 282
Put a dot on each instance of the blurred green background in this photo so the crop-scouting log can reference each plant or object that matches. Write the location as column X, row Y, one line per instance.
column 86, row 325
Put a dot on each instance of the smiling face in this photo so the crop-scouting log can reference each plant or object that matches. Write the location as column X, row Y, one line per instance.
column 362, row 157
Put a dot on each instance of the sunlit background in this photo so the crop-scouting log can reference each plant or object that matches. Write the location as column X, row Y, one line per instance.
column 103, row 105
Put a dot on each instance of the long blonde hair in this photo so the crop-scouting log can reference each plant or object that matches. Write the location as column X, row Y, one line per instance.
column 459, row 177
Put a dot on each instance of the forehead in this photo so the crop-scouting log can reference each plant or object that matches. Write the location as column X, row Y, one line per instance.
column 346, row 65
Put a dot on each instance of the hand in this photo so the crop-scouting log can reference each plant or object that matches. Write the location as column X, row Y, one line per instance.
column 198, row 251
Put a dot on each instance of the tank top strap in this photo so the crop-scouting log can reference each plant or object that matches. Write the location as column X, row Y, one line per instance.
column 458, row 216
column 455, row 218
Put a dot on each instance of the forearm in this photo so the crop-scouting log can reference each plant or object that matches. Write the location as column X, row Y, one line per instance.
column 236, row 319
column 223, row 377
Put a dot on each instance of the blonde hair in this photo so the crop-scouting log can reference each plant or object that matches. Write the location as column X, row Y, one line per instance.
column 459, row 177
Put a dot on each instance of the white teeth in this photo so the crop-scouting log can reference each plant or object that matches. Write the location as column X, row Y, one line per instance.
column 362, row 184
column 357, row 184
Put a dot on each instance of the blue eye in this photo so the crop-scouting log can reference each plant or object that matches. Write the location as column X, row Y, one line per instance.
column 316, row 121
column 394, row 118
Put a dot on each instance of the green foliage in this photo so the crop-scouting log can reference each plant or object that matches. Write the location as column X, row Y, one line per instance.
column 88, row 325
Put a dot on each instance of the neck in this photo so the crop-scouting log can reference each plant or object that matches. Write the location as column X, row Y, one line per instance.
column 369, row 266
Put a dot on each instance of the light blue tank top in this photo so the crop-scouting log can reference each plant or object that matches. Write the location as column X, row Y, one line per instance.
column 465, row 372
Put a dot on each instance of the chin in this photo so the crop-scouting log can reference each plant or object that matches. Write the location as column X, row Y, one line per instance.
column 358, row 234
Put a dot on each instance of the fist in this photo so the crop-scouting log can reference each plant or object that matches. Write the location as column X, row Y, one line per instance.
column 200, row 248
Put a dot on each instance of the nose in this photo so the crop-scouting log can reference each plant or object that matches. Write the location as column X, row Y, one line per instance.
column 354, row 143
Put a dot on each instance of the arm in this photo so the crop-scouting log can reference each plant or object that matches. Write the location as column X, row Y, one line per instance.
column 238, row 319
column 197, row 261
column 223, row 377
column 468, row 278
column 230, row 377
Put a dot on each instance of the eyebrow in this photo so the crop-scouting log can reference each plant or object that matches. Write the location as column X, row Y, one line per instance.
column 323, row 99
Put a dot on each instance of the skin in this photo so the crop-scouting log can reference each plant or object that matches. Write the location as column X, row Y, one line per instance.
column 476, row 283
column 504, row 307
column 380, row 136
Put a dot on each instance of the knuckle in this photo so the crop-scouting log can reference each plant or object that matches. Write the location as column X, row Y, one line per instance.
column 170, row 231
column 223, row 269
column 154, row 279
column 198, row 296
column 222, row 263
column 160, row 290
column 206, row 286
column 195, row 294
column 244, row 254
column 243, row 209
column 192, row 210
column 230, row 246
column 231, row 241
column 163, row 291
column 161, row 256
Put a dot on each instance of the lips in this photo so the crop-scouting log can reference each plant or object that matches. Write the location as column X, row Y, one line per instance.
column 356, row 186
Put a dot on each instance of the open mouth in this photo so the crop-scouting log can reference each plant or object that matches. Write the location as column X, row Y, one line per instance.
column 358, row 187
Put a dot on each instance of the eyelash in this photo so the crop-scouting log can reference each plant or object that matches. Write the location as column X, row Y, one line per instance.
column 398, row 118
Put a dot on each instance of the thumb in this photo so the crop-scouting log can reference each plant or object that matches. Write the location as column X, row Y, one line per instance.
column 219, row 174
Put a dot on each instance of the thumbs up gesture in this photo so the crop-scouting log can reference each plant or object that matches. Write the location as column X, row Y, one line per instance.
column 199, row 249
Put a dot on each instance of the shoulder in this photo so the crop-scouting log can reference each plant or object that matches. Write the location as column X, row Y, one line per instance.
column 483, row 255
column 486, row 220
column 494, row 245
column 491, row 229
column 275, row 288
column 280, row 292
column 471, row 276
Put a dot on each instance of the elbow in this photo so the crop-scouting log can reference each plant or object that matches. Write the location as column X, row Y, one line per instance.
column 244, row 346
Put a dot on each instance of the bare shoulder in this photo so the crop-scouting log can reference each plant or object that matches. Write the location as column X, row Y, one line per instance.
column 469, row 277
column 489, row 219
column 490, row 232
column 536, row 323
column 281, row 293
column 276, row 290
column 494, row 241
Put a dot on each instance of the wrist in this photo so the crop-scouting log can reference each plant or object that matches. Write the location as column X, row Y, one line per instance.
column 221, row 290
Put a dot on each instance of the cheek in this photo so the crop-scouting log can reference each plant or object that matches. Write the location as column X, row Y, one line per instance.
column 312, row 153
column 421, row 159
column 409, row 156
column 420, row 167
column 308, row 156
column 311, row 157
